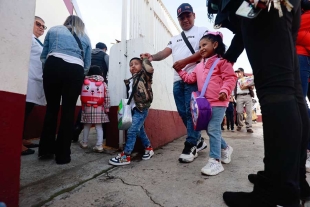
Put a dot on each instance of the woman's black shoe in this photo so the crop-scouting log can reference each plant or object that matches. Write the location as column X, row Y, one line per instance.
column 63, row 161
column 32, row 145
column 46, row 156
column 28, row 152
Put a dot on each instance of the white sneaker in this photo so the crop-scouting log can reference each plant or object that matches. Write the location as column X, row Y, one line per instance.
column 308, row 162
column 83, row 145
column 213, row 167
column 98, row 148
column 148, row 153
column 226, row 154
column 201, row 144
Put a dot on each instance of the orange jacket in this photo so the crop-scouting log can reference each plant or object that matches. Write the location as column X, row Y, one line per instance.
column 303, row 38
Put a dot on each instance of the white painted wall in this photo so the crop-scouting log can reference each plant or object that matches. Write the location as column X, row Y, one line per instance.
column 53, row 12
column 162, row 79
column 16, row 25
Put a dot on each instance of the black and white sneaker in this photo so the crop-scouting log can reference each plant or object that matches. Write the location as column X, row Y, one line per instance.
column 201, row 144
column 189, row 153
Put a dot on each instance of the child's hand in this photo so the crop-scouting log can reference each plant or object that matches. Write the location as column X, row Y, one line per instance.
column 179, row 65
column 177, row 69
column 222, row 96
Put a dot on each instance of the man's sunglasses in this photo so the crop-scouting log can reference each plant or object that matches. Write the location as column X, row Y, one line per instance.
column 41, row 25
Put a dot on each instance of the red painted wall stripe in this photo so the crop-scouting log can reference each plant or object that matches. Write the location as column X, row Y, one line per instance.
column 11, row 124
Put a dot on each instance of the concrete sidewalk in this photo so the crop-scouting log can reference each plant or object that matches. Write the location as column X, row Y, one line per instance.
column 161, row 181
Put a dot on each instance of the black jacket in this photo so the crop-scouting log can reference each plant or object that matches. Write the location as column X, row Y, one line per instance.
column 98, row 58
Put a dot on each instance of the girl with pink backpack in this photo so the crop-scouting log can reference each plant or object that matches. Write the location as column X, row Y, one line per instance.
column 220, row 84
column 95, row 106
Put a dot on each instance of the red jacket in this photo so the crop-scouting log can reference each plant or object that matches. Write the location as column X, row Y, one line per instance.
column 303, row 38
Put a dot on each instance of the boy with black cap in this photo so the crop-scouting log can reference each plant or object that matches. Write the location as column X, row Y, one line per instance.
column 185, row 56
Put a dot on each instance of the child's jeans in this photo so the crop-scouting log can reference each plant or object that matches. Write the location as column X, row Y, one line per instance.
column 137, row 129
column 99, row 131
column 215, row 133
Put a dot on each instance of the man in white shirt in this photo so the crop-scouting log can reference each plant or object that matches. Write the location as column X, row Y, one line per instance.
column 184, row 59
column 243, row 98
column 35, row 92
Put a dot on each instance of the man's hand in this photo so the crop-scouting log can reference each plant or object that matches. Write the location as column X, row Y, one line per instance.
column 243, row 87
column 179, row 65
column 147, row 55
column 222, row 96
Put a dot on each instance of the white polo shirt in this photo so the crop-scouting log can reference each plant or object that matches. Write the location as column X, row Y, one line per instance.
column 181, row 51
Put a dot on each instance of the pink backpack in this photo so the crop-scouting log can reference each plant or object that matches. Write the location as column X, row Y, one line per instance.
column 92, row 93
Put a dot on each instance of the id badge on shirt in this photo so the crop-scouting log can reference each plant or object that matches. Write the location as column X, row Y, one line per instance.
column 247, row 10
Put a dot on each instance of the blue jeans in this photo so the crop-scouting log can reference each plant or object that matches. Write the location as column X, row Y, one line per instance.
column 182, row 95
column 304, row 66
column 137, row 129
column 215, row 133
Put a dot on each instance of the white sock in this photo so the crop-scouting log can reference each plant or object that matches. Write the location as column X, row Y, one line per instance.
column 86, row 132
column 99, row 134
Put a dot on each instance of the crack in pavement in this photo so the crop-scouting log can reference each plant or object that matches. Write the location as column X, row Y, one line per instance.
column 129, row 184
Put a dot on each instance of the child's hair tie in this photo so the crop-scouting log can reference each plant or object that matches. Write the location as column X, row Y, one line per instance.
column 215, row 33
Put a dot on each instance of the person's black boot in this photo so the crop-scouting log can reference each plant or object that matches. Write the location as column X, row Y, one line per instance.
column 304, row 187
column 304, row 190
column 266, row 193
column 252, row 178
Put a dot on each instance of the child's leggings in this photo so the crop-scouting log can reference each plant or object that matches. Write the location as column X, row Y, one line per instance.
column 99, row 133
column 215, row 133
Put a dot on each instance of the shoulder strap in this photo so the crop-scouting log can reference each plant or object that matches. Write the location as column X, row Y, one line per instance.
column 204, row 88
column 134, row 88
column 78, row 41
column 187, row 43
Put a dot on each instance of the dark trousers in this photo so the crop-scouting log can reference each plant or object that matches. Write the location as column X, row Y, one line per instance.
column 62, row 81
column 28, row 109
column 270, row 45
column 230, row 119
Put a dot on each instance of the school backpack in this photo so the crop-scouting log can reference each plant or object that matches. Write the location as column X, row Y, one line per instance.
column 92, row 92
column 200, row 107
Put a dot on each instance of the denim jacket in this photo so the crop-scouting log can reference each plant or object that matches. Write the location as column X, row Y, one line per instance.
column 59, row 39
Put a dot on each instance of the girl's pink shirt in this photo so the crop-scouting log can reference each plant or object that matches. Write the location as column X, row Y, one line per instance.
column 223, row 79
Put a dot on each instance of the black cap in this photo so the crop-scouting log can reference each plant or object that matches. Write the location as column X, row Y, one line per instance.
column 241, row 69
column 101, row 45
column 185, row 7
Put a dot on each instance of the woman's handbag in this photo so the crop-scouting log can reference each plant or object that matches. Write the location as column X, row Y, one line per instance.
column 201, row 109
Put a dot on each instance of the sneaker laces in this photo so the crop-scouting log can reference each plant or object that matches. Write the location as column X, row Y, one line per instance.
column 225, row 153
column 213, row 165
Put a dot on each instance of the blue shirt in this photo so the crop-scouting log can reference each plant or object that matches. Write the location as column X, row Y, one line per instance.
column 60, row 40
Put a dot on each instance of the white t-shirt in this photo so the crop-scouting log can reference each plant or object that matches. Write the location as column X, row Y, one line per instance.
column 181, row 51
column 68, row 58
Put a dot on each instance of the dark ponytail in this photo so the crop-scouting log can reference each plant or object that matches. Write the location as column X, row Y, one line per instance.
column 221, row 48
